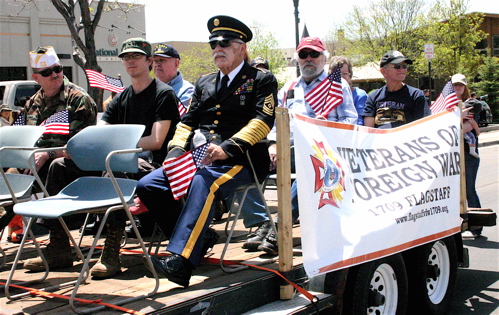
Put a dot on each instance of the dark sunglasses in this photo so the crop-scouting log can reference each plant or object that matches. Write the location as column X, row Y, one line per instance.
column 47, row 72
column 398, row 66
column 304, row 54
column 222, row 43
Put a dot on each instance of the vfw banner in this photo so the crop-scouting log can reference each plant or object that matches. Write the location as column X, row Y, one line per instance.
column 368, row 193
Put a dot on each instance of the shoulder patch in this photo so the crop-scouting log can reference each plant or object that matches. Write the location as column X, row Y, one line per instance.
column 268, row 105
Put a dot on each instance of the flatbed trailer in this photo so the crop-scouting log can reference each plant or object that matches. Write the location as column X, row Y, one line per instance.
column 419, row 280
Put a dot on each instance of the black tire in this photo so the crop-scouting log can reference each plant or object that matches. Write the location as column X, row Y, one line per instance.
column 432, row 270
column 380, row 287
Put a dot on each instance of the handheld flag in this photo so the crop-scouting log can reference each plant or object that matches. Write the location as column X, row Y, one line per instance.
column 102, row 81
column 20, row 120
column 181, row 109
column 446, row 100
column 181, row 170
column 327, row 95
column 57, row 124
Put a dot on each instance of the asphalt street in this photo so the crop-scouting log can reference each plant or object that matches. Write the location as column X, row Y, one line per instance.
column 477, row 287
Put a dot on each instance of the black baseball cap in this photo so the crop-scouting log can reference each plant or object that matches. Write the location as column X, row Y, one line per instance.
column 394, row 56
column 165, row 50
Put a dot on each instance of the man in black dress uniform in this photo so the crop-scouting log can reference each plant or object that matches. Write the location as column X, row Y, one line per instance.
column 234, row 109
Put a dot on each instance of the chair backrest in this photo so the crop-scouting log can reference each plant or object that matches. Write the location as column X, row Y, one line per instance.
column 18, row 136
column 90, row 147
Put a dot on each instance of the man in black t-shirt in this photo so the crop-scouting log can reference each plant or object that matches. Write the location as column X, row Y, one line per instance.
column 396, row 103
column 148, row 102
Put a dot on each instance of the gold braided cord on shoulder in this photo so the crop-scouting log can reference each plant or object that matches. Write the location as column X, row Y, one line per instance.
column 181, row 135
column 253, row 132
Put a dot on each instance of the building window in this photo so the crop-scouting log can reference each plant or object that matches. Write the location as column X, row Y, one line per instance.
column 13, row 73
column 495, row 45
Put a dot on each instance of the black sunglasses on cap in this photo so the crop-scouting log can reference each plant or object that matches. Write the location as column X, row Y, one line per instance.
column 222, row 43
column 304, row 54
column 47, row 72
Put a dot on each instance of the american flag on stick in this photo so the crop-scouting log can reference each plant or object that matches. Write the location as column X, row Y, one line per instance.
column 181, row 109
column 57, row 124
column 102, row 81
column 181, row 170
column 327, row 95
column 446, row 100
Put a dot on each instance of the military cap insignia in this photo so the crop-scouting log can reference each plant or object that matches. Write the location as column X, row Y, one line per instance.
column 216, row 22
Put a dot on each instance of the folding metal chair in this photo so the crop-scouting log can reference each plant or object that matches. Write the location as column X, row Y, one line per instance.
column 235, row 208
column 16, row 144
column 95, row 148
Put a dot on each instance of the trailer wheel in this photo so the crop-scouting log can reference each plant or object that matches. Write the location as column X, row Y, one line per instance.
column 432, row 270
column 381, row 287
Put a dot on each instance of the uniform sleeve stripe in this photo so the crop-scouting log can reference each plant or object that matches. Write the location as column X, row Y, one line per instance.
column 253, row 132
column 181, row 135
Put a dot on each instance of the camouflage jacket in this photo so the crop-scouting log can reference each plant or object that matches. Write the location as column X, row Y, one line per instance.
column 81, row 107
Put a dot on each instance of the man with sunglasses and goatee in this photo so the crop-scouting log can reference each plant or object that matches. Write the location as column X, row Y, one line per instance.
column 57, row 102
column 311, row 57
column 396, row 103
column 234, row 109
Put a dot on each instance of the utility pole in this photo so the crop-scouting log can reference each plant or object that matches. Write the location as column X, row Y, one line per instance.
column 297, row 36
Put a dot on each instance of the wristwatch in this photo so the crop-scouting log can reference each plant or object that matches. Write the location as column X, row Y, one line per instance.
column 52, row 154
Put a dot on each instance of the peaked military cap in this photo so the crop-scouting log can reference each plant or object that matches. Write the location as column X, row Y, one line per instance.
column 226, row 27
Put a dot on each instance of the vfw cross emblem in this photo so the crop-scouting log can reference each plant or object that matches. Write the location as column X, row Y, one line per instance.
column 329, row 176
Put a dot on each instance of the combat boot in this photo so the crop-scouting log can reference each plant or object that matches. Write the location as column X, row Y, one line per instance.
column 109, row 263
column 57, row 253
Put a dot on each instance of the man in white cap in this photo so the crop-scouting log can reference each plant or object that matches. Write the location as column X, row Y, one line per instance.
column 61, row 101
column 5, row 112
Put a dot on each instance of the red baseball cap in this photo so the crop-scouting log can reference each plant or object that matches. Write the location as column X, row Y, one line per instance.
column 311, row 42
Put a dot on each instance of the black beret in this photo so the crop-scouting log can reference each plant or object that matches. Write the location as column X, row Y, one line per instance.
column 227, row 27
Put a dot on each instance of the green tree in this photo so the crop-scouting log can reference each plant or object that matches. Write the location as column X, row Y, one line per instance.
column 382, row 26
column 454, row 35
column 488, row 83
column 196, row 62
column 265, row 44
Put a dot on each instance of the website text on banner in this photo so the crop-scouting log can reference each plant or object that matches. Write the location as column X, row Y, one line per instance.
column 368, row 193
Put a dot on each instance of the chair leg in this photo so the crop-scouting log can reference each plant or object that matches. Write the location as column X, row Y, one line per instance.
column 30, row 234
column 89, row 256
column 229, row 236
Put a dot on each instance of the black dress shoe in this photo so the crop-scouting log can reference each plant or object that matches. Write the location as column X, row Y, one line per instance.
column 210, row 239
column 269, row 244
column 255, row 239
column 174, row 267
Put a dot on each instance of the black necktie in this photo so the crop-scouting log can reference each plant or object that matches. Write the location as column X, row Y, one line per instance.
column 223, row 85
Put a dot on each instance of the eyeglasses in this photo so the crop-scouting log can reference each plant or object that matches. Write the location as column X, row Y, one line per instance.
column 47, row 72
column 223, row 43
column 398, row 66
column 132, row 56
column 304, row 54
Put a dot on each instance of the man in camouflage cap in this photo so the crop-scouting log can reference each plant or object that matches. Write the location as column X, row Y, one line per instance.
column 57, row 101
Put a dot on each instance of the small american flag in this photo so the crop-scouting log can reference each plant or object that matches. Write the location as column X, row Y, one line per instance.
column 102, row 81
column 181, row 170
column 446, row 100
column 57, row 124
column 327, row 95
column 20, row 120
column 181, row 109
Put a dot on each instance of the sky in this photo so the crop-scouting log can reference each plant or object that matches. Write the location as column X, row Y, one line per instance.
column 185, row 20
